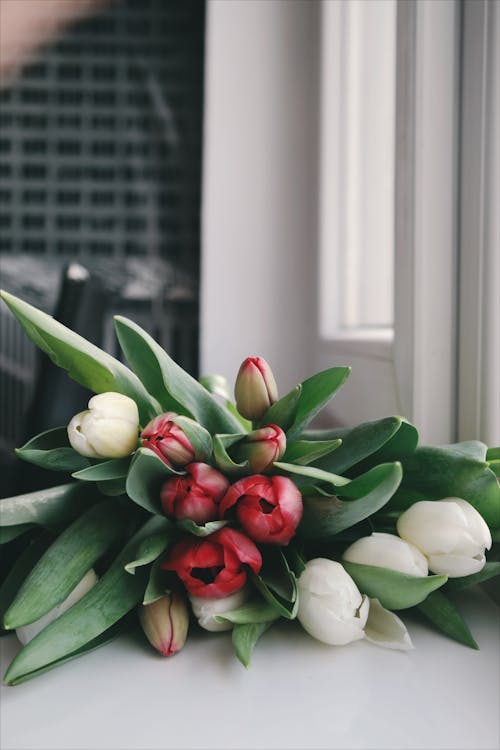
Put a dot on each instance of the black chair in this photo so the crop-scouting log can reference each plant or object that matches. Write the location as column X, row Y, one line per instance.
column 56, row 398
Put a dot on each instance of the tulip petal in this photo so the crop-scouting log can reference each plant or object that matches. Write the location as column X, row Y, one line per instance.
column 456, row 566
column 384, row 628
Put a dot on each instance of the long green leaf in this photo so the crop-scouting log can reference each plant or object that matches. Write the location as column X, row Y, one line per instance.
column 245, row 637
column 50, row 507
column 393, row 589
column 357, row 442
column 172, row 386
column 315, row 393
column 115, row 594
column 222, row 458
column 277, row 583
column 326, row 516
column 9, row 533
column 115, row 468
column 51, row 450
column 66, row 561
column 145, row 477
column 162, row 534
column 304, row 452
column 284, row 411
column 22, row 566
column 444, row 615
column 109, row 635
column 84, row 362
column 157, row 583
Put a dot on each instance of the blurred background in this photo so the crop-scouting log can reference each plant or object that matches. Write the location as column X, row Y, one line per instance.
column 312, row 181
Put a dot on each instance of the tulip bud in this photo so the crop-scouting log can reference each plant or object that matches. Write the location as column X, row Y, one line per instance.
column 27, row 632
column 165, row 623
column 450, row 533
column 255, row 389
column 387, row 551
column 168, row 441
column 268, row 508
column 206, row 610
column 195, row 495
column 331, row 608
column 261, row 448
column 108, row 429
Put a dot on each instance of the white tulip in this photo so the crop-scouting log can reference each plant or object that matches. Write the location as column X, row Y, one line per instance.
column 331, row 607
column 450, row 533
column 387, row 551
column 108, row 429
column 205, row 610
column 384, row 628
column 28, row 632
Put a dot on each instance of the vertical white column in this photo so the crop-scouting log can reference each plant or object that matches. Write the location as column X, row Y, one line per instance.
column 259, row 186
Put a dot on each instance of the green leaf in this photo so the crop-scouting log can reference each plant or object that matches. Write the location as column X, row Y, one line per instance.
column 245, row 637
column 324, row 517
column 84, row 362
column 21, row 568
column 146, row 475
column 393, row 589
column 222, row 458
column 51, row 450
column 66, row 561
column 357, row 442
column 311, row 472
column 198, row 436
column 115, row 468
column 433, row 473
column 277, row 583
column 101, row 640
column 493, row 454
column 250, row 613
column 153, row 546
column 443, row 614
column 217, row 385
column 115, row 594
column 283, row 411
column 186, row 524
column 157, row 583
column 50, row 507
column 495, row 467
column 490, row 570
column 316, row 392
column 113, row 487
column 9, row 533
column 172, row 386
column 303, row 452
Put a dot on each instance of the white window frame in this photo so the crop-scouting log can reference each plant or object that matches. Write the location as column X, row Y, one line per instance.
column 265, row 162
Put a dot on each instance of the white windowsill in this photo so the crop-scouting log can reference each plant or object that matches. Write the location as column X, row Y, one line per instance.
column 297, row 693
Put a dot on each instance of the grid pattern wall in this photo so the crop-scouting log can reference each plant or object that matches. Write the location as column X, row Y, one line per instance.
column 100, row 144
column 100, row 162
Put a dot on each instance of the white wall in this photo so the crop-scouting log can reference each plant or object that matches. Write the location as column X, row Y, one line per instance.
column 260, row 179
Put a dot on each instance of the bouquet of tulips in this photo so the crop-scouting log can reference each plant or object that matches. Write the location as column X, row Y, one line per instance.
column 180, row 506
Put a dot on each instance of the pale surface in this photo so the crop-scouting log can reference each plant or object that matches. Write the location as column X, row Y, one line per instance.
column 297, row 694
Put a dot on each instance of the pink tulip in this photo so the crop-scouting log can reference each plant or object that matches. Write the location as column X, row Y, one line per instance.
column 255, row 389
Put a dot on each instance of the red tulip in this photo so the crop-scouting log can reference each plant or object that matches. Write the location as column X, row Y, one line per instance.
column 216, row 565
column 261, row 448
column 195, row 495
column 168, row 441
column 255, row 388
column 268, row 508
